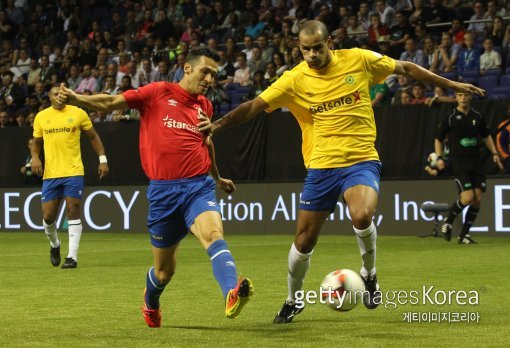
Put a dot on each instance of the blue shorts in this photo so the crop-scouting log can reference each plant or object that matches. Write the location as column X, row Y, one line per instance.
column 323, row 186
column 174, row 205
column 71, row 186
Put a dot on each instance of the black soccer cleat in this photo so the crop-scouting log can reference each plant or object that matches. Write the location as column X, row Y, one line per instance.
column 69, row 263
column 466, row 239
column 446, row 230
column 372, row 296
column 287, row 313
column 55, row 256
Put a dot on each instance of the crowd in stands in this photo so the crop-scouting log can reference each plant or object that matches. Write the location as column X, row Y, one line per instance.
column 110, row 46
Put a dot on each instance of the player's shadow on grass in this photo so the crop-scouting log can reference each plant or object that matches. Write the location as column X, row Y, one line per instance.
column 270, row 327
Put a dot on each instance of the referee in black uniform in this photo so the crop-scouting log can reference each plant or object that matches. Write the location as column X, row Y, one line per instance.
column 466, row 129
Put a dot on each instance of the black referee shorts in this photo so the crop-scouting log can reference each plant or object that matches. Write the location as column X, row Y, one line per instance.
column 468, row 173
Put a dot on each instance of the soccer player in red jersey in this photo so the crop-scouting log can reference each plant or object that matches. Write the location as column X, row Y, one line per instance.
column 177, row 157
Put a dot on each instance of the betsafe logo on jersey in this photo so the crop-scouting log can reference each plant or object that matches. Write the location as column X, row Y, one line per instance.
column 60, row 130
column 344, row 100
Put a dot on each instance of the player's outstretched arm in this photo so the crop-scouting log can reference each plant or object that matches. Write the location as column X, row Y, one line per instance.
column 103, row 169
column 243, row 113
column 225, row 184
column 438, row 149
column 98, row 102
column 418, row 73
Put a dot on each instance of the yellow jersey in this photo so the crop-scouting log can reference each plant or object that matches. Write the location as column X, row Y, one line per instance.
column 333, row 106
column 61, row 130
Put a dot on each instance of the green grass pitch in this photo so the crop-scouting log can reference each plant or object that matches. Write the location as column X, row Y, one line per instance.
column 97, row 304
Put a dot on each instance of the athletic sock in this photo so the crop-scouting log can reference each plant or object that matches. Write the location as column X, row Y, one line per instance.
column 367, row 247
column 455, row 210
column 153, row 290
column 75, row 229
column 298, row 266
column 51, row 234
column 223, row 265
column 471, row 215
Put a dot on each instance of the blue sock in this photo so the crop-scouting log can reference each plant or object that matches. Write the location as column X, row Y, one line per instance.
column 223, row 265
column 153, row 290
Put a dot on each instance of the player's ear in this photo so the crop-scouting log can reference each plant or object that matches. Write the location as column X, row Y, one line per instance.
column 187, row 68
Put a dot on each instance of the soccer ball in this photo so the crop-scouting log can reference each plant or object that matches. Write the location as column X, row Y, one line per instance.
column 432, row 159
column 342, row 290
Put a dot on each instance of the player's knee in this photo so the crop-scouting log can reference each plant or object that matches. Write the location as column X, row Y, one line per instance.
column 361, row 217
column 164, row 276
column 212, row 236
column 73, row 211
column 48, row 219
column 305, row 241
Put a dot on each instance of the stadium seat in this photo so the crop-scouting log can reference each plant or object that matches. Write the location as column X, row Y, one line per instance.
column 502, row 90
column 488, row 82
column 473, row 73
column 507, row 71
column 504, row 80
column 492, row 72
column 449, row 75
column 471, row 80
column 496, row 96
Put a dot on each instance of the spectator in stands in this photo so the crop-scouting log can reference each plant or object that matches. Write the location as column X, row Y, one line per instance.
column 144, row 73
column 266, row 50
column 355, row 30
column 418, row 93
column 88, row 53
column 278, row 43
column 232, row 28
column 328, row 18
column 231, row 50
column 403, row 84
column 280, row 65
column 248, row 46
column 258, row 85
column 457, row 31
column 270, row 75
column 163, row 73
column 376, row 30
column 411, row 54
column 406, row 98
column 490, row 59
column 178, row 69
column 109, row 86
column 74, row 79
column 399, row 33
column 420, row 33
column 364, row 15
column 478, row 28
column 492, row 9
column 386, row 13
column 445, row 56
column 3, row 119
column 429, row 48
column 469, row 57
column 503, row 142
column 88, row 81
column 379, row 94
column 22, row 65
column 341, row 39
column 48, row 74
column 496, row 32
column 126, row 84
column 112, row 69
column 226, row 70
column 256, row 63
column 438, row 13
column 163, row 27
column 439, row 96
column 217, row 95
column 11, row 92
column 384, row 46
column 40, row 91
column 421, row 14
column 242, row 74
column 20, row 117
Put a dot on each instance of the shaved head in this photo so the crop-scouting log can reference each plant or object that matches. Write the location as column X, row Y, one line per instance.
column 313, row 27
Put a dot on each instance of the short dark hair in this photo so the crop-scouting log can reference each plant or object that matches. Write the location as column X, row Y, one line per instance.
column 198, row 52
column 311, row 27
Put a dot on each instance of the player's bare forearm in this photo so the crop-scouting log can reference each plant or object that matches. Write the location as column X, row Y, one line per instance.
column 95, row 140
column 438, row 147
column 101, row 102
column 419, row 73
column 243, row 113
column 35, row 151
column 490, row 145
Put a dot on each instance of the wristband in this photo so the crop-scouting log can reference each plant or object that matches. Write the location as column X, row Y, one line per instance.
column 102, row 159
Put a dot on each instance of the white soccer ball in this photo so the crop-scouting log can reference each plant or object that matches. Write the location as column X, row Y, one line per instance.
column 342, row 289
column 432, row 159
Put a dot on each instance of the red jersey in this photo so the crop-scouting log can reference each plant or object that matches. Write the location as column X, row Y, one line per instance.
column 171, row 146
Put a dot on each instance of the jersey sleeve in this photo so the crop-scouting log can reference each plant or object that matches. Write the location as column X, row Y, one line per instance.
column 379, row 67
column 38, row 133
column 443, row 129
column 280, row 93
column 141, row 97
column 85, row 123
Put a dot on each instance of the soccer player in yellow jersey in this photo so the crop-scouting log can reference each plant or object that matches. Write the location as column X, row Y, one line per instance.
column 328, row 94
column 59, row 127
